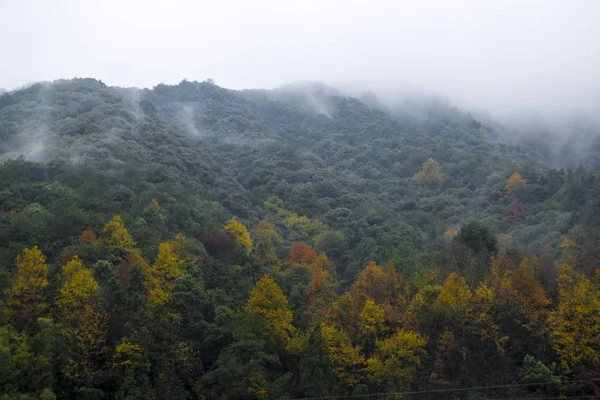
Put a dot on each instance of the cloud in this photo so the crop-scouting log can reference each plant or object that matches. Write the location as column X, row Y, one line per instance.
column 501, row 55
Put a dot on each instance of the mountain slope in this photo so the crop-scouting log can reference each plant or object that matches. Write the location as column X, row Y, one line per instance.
column 206, row 152
column 193, row 242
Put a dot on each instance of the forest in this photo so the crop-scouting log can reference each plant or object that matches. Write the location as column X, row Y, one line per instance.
column 194, row 242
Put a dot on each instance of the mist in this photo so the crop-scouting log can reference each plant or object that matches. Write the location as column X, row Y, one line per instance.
column 501, row 56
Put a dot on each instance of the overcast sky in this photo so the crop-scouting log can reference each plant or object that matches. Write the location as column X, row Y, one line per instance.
column 496, row 54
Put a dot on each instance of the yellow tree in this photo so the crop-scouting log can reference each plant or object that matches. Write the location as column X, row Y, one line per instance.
column 163, row 273
column 265, row 251
column 575, row 324
column 418, row 312
column 530, row 291
column 396, row 360
column 115, row 234
column 240, row 234
column 431, row 173
column 371, row 284
column 84, row 323
column 267, row 300
column 455, row 295
column 156, row 208
column 345, row 359
column 26, row 301
column 321, row 284
column 324, row 262
column 483, row 315
column 370, row 325
column 514, row 184
column 371, row 319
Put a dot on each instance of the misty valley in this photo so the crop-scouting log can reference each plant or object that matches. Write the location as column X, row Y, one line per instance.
column 195, row 242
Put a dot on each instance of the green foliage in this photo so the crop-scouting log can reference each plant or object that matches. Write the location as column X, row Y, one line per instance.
column 477, row 237
column 101, row 179
column 534, row 371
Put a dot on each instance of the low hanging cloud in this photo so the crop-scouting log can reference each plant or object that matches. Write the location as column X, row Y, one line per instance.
column 505, row 56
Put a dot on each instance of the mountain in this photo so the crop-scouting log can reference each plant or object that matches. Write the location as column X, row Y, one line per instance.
column 206, row 152
column 146, row 195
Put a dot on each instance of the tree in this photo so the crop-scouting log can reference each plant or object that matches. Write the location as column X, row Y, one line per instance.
column 449, row 236
column 514, row 184
column 89, row 237
column 372, row 283
column 163, row 273
column 240, row 371
column 267, row 241
column 516, row 212
column 133, row 369
column 575, row 323
column 455, row 295
column 26, row 298
column 115, row 234
column 219, row 245
column 240, row 234
column 346, row 361
column 528, row 287
column 431, row 173
column 446, row 357
column 505, row 242
column 267, row 300
column 84, row 323
column 315, row 369
column 370, row 325
column 301, row 253
column 477, row 237
column 321, row 285
column 534, row 371
column 371, row 319
column 394, row 365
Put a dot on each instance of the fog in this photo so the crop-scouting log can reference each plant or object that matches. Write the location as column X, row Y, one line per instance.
column 502, row 56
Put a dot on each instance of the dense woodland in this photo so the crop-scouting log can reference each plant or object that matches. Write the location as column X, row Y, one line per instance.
column 194, row 242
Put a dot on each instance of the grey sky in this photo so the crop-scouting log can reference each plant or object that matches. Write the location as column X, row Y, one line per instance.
column 495, row 54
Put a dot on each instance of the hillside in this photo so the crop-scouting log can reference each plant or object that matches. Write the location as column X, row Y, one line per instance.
column 200, row 242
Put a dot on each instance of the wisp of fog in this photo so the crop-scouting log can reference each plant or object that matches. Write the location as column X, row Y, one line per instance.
column 502, row 55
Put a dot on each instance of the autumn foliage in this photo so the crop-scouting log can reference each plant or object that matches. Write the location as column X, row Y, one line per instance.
column 514, row 183
column 431, row 173
column 115, row 234
column 218, row 244
column 240, row 234
column 301, row 253
column 26, row 298
column 384, row 330
column 267, row 300
column 89, row 237
column 516, row 212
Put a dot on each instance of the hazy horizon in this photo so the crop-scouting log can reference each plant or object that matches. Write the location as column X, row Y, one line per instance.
column 502, row 56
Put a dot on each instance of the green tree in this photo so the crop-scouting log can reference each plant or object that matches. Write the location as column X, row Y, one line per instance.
column 267, row 242
column 315, row 369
